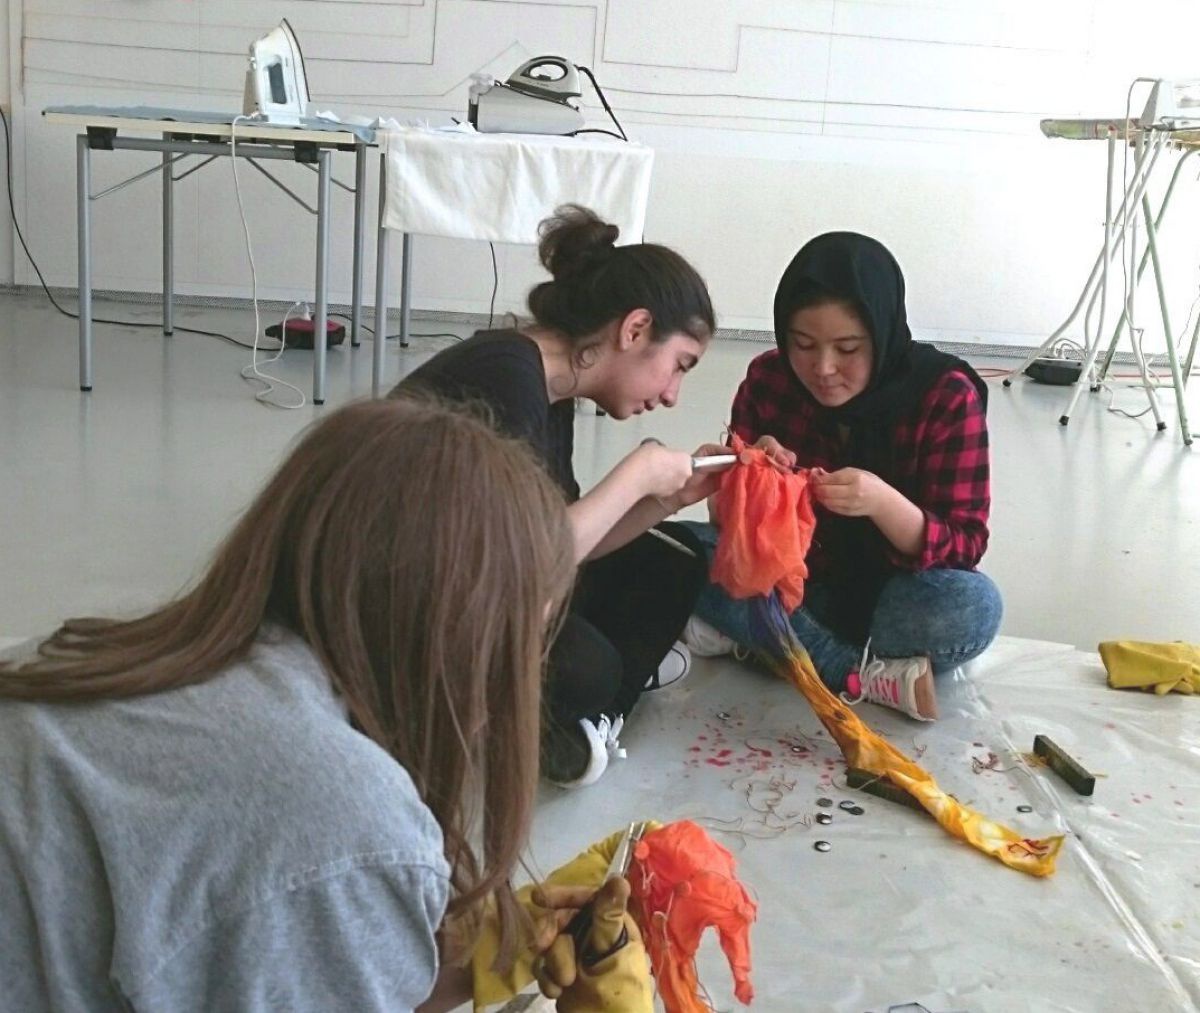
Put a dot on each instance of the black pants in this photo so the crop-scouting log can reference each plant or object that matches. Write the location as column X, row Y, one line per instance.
column 629, row 607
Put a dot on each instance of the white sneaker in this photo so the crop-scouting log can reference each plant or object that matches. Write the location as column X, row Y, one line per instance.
column 600, row 735
column 904, row 684
column 676, row 664
column 705, row 640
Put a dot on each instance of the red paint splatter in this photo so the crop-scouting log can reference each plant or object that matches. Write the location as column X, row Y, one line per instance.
column 694, row 749
column 724, row 753
column 716, row 763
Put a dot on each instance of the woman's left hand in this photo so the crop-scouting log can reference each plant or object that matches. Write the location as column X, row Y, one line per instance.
column 850, row 492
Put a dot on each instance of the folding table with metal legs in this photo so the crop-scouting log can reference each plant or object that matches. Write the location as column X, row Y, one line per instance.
column 210, row 136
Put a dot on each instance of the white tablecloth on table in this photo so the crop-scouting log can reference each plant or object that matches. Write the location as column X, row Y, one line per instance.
column 498, row 187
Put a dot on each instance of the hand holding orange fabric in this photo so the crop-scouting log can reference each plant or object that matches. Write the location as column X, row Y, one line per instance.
column 777, row 453
column 763, row 549
column 850, row 492
column 702, row 484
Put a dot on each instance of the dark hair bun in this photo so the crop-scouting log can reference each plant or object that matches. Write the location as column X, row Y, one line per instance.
column 573, row 240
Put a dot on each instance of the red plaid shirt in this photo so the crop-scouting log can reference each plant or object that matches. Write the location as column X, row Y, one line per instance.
column 941, row 455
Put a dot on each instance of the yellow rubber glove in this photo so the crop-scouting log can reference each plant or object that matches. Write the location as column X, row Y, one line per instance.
column 588, row 869
column 603, row 968
column 1164, row 668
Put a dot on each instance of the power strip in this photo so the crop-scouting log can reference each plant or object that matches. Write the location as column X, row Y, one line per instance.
column 1056, row 372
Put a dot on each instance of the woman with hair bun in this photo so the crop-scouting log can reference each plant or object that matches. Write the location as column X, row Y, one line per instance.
column 620, row 326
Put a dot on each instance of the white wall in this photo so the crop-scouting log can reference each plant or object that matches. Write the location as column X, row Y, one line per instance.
column 913, row 120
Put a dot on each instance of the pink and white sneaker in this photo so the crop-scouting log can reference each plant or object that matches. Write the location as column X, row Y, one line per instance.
column 904, row 684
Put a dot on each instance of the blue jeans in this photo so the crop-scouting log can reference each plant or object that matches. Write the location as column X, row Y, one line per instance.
column 951, row 616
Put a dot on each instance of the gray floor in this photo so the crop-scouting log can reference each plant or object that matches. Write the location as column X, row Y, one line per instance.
column 110, row 501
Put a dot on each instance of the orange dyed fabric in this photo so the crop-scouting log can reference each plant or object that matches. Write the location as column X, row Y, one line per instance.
column 870, row 751
column 767, row 522
column 682, row 882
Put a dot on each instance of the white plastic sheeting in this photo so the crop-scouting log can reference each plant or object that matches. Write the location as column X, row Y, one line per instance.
column 898, row 911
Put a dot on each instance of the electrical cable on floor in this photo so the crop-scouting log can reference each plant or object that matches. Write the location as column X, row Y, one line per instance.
column 256, row 375
column 12, row 207
column 414, row 334
column 1112, row 396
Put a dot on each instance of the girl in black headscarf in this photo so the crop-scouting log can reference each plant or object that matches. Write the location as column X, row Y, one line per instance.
column 895, row 435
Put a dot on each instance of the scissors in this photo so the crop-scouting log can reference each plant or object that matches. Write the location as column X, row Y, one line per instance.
column 623, row 856
column 579, row 926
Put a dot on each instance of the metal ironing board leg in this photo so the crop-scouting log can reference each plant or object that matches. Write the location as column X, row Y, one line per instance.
column 1144, row 260
column 1087, row 374
column 1191, row 355
column 1141, row 174
column 1172, row 353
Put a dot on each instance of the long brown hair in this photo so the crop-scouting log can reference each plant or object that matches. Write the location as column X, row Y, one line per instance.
column 419, row 554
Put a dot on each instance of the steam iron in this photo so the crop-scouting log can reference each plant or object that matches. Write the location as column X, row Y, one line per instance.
column 276, row 84
column 534, row 100
column 1173, row 105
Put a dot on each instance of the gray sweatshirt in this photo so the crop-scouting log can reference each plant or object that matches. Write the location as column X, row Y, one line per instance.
column 235, row 845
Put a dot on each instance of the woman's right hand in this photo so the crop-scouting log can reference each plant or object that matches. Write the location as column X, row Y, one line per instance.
column 663, row 471
column 777, row 453
column 604, row 967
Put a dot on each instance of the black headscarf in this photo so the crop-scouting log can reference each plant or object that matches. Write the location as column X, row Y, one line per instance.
column 859, row 270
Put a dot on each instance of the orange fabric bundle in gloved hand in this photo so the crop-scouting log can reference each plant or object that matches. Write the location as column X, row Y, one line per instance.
column 767, row 523
column 588, row 869
column 683, row 882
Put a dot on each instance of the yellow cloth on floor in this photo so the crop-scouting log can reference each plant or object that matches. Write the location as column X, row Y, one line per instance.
column 867, row 750
column 587, row 869
column 1164, row 668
